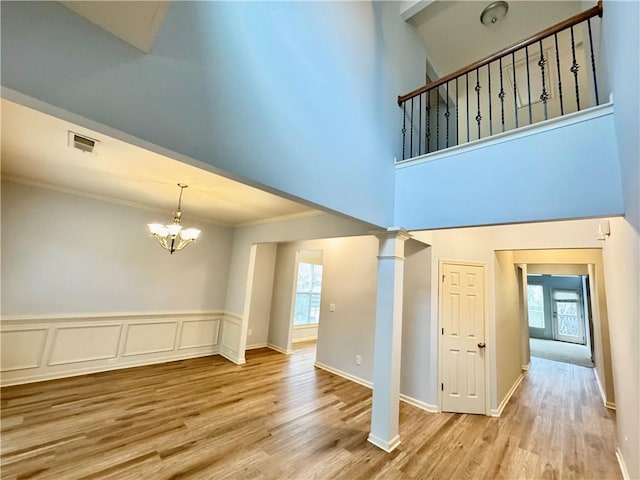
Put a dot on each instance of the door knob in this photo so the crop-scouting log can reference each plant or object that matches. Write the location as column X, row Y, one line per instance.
column 481, row 345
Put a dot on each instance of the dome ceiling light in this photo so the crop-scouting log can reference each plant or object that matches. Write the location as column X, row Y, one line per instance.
column 494, row 12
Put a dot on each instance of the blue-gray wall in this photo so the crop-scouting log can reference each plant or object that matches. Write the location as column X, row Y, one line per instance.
column 297, row 96
column 569, row 171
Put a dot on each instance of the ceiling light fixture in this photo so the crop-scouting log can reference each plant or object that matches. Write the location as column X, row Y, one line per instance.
column 494, row 12
column 173, row 237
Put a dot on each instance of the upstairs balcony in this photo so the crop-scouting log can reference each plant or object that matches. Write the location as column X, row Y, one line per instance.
column 548, row 75
column 523, row 135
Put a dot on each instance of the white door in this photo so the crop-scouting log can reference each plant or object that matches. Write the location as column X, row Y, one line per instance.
column 568, row 318
column 462, row 344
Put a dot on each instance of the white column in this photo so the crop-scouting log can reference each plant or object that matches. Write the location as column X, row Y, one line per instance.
column 388, row 339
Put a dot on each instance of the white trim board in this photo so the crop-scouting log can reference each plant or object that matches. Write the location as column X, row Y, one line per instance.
column 605, row 402
column 279, row 349
column 497, row 412
column 622, row 464
column 365, row 383
column 256, row 346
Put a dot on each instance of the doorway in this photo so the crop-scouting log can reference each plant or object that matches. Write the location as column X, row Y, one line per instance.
column 558, row 316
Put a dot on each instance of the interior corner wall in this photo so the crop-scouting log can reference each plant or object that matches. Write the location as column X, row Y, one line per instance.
column 299, row 97
column 283, row 296
column 261, row 294
column 418, row 378
column 64, row 254
column 525, row 347
column 508, row 325
column 621, row 269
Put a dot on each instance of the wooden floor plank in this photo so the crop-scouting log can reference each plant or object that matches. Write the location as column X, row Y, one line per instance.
column 278, row 417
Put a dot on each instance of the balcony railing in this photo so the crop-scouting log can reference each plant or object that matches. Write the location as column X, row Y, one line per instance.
column 544, row 76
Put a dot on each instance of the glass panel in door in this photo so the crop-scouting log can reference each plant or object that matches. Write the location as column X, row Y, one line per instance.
column 568, row 318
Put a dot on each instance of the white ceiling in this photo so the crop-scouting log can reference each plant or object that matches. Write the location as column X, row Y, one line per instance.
column 454, row 37
column 35, row 150
column 137, row 23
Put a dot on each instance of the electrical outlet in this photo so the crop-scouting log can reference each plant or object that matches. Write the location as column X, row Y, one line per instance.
column 332, row 307
column 250, row 332
column 358, row 360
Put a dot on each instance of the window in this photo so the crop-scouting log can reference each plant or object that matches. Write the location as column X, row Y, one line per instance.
column 307, row 302
column 535, row 299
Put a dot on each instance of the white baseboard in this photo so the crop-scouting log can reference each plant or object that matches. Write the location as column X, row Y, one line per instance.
column 348, row 376
column 365, row 383
column 279, row 349
column 497, row 412
column 387, row 446
column 525, row 368
column 255, row 346
column 42, row 377
column 427, row 407
column 232, row 358
column 607, row 404
column 623, row 466
column 304, row 339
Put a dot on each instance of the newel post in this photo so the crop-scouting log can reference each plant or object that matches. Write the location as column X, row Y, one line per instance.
column 388, row 339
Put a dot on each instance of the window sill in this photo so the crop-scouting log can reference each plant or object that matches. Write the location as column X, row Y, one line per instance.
column 306, row 325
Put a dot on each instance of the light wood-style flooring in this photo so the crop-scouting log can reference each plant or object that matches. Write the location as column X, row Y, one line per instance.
column 278, row 417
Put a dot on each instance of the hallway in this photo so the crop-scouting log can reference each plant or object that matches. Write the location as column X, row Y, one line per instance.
column 278, row 417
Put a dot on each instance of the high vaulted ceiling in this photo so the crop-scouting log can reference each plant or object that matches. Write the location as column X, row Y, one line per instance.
column 35, row 150
column 137, row 23
column 454, row 37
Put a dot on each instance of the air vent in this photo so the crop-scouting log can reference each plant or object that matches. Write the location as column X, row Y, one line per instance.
column 83, row 143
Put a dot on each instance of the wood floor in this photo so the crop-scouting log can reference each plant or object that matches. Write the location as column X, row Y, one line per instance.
column 278, row 417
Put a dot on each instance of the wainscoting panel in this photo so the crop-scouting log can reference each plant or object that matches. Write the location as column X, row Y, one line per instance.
column 22, row 349
column 47, row 347
column 84, row 343
column 231, row 337
column 199, row 333
column 152, row 337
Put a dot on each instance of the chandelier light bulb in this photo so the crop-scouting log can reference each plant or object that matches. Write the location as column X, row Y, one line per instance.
column 172, row 237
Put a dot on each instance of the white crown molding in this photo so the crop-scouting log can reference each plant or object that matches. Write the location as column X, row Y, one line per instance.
column 282, row 218
column 106, row 198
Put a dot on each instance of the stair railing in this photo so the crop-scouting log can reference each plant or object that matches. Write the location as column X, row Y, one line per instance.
column 535, row 79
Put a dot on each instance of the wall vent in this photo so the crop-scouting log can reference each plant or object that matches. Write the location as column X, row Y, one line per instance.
column 83, row 143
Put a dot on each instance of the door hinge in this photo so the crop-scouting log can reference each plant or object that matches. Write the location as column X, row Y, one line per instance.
column 443, row 331
column 442, row 387
column 443, row 277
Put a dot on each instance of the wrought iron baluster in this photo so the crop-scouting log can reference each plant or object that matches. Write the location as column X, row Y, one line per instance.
column 447, row 114
column 544, row 96
column 489, row 95
column 457, row 117
column 428, row 130
column 574, row 69
column 515, row 87
column 526, row 54
column 404, row 129
column 501, row 96
column 437, row 118
column 467, row 104
column 477, row 89
column 593, row 63
column 555, row 37
column 420, row 125
column 411, row 130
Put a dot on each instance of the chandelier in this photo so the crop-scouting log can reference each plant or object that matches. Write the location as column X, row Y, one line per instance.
column 173, row 237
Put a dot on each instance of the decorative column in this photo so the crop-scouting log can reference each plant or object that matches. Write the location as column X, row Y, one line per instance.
column 388, row 340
